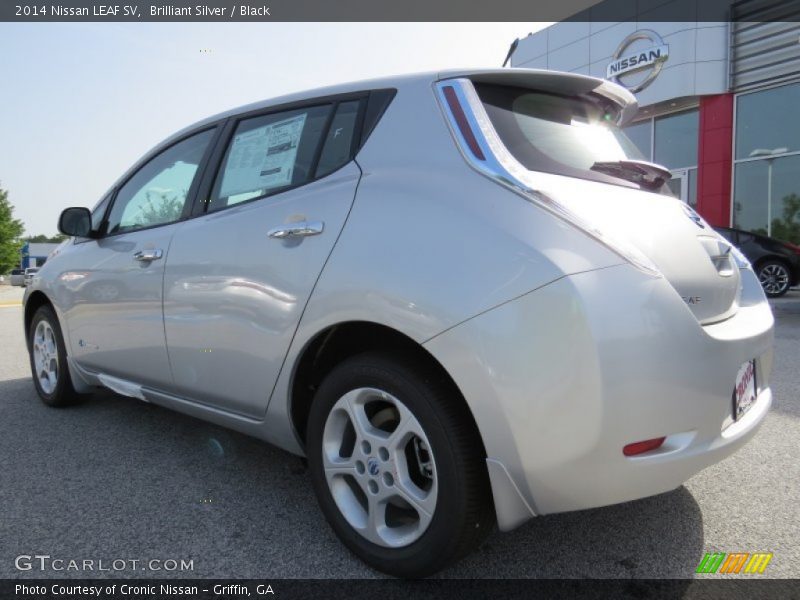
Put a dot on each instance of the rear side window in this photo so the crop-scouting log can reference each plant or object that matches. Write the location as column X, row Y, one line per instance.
column 268, row 154
column 338, row 147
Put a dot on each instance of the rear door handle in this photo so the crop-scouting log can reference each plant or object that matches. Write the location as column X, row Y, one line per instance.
column 149, row 255
column 300, row 229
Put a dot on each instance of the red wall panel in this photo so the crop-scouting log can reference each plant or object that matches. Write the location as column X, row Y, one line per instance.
column 715, row 156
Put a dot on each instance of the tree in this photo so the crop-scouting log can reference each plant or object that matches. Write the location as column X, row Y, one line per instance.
column 160, row 208
column 44, row 239
column 10, row 231
column 788, row 227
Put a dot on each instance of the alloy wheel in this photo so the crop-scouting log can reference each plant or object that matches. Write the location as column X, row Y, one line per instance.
column 379, row 467
column 45, row 357
column 774, row 279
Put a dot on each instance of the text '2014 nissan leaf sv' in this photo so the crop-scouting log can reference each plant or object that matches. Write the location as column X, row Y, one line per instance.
column 462, row 296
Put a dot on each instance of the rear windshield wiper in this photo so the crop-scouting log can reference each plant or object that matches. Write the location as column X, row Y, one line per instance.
column 649, row 176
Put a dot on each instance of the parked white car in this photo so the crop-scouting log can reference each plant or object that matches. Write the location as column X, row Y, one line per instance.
column 462, row 296
column 29, row 274
column 17, row 277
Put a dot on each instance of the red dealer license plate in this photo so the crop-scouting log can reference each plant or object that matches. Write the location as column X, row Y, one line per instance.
column 744, row 394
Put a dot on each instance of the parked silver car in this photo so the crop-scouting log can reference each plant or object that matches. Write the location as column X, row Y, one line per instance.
column 27, row 278
column 462, row 296
column 17, row 277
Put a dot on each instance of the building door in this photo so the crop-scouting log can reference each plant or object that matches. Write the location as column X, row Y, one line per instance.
column 679, row 184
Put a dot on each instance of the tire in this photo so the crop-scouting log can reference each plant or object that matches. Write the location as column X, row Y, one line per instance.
column 774, row 277
column 438, row 464
column 48, row 354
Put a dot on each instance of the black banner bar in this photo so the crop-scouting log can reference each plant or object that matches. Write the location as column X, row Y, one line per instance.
column 386, row 10
column 393, row 589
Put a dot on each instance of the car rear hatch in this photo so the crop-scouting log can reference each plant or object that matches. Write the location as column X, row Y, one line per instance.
column 557, row 138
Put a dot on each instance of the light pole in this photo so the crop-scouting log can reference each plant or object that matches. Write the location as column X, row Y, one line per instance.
column 769, row 156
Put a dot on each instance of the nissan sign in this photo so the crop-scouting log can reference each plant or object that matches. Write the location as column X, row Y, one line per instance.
column 651, row 58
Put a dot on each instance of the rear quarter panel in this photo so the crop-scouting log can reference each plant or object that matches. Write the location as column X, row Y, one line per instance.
column 430, row 242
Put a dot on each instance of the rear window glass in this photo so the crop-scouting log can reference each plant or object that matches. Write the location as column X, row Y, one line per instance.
column 558, row 134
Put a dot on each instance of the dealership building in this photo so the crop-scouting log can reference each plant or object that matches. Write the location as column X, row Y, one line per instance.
column 720, row 100
column 35, row 254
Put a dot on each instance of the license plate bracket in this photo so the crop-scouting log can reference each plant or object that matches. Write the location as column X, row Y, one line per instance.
column 745, row 389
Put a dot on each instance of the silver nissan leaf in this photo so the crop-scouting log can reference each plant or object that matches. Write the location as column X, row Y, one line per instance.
column 463, row 296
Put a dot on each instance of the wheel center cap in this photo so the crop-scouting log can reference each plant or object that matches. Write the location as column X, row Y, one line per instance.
column 373, row 467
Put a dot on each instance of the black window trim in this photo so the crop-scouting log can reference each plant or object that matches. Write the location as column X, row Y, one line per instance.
column 99, row 233
column 377, row 104
column 374, row 103
column 202, row 199
column 144, row 161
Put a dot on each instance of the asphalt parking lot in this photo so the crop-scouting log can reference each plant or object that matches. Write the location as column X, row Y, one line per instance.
column 114, row 478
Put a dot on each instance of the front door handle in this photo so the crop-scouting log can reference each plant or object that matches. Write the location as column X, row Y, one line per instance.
column 300, row 229
column 149, row 255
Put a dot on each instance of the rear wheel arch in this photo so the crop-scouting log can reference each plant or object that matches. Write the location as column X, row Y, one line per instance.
column 335, row 344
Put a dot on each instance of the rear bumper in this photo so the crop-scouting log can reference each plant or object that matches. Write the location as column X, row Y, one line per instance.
column 561, row 379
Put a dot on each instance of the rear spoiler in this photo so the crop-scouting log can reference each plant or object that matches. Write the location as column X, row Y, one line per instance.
column 557, row 82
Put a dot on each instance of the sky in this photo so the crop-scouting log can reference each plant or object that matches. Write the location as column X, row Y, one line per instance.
column 81, row 102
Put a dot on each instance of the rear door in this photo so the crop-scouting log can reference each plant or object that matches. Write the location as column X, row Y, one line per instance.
column 111, row 288
column 239, row 276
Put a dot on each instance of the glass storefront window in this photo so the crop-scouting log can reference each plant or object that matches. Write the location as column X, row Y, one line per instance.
column 675, row 186
column 751, row 212
column 641, row 134
column 683, row 185
column 767, row 120
column 676, row 138
column 750, row 197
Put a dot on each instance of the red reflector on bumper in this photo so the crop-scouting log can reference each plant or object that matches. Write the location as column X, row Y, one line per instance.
column 642, row 447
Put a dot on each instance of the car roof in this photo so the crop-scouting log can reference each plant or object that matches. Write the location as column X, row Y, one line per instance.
column 537, row 78
column 543, row 80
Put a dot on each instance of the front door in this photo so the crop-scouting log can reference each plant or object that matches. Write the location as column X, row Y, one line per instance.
column 112, row 287
column 239, row 277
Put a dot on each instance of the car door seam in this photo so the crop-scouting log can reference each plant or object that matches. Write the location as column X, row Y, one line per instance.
column 314, row 287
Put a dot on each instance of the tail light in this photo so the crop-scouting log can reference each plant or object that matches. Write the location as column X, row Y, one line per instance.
column 461, row 121
column 793, row 247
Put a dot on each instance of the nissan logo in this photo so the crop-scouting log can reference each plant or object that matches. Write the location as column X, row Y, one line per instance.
column 373, row 467
column 651, row 58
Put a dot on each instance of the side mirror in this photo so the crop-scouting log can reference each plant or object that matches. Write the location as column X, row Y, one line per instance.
column 75, row 222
